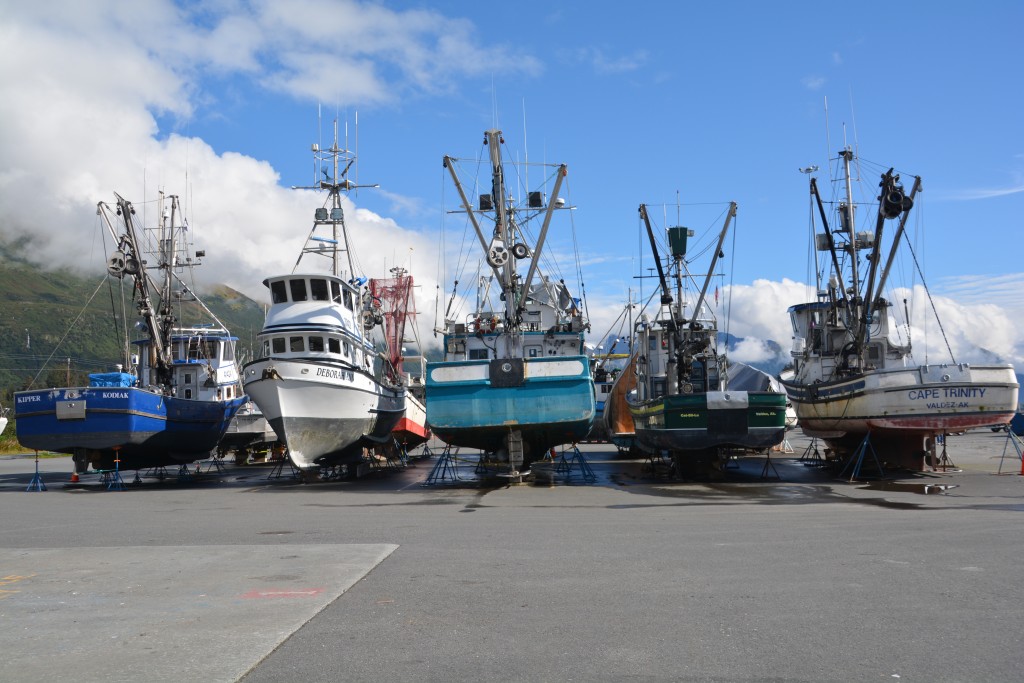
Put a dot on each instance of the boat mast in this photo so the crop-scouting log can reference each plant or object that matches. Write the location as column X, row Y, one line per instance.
column 828, row 237
column 891, row 203
column 498, row 254
column 714, row 259
column 156, row 322
column 552, row 203
column 850, row 229
column 335, row 184
column 899, row 235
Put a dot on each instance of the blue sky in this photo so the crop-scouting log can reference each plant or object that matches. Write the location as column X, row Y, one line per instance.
column 645, row 102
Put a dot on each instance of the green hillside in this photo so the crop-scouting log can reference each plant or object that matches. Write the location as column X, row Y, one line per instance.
column 48, row 330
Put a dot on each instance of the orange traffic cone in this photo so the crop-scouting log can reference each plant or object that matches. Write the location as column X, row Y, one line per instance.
column 74, row 477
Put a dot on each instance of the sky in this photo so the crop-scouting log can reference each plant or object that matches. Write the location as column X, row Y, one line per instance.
column 682, row 106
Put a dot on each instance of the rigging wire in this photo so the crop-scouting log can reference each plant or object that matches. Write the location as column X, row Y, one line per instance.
column 66, row 333
column 932, row 302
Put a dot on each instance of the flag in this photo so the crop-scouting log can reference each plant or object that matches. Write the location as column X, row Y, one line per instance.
column 716, row 296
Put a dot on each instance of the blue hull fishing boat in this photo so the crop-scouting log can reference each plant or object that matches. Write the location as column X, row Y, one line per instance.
column 515, row 380
column 182, row 388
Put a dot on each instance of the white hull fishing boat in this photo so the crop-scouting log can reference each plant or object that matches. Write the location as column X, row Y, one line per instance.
column 852, row 383
column 686, row 402
column 515, row 380
column 317, row 381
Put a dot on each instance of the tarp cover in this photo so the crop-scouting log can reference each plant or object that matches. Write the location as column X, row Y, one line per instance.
column 111, row 379
column 743, row 377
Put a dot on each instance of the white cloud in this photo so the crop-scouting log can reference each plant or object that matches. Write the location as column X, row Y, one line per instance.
column 604, row 64
column 752, row 351
column 759, row 309
column 813, row 82
column 83, row 86
column 975, row 332
column 982, row 193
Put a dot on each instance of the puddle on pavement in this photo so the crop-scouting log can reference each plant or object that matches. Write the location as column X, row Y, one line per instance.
column 924, row 489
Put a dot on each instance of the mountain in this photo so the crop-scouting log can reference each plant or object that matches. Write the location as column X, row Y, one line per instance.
column 770, row 357
column 56, row 325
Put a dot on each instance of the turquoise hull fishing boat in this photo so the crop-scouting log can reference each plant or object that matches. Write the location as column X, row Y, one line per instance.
column 515, row 380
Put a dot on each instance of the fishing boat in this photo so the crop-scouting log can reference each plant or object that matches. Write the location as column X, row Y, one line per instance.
column 248, row 434
column 618, row 421
column 613, row 423
column 515, row 380
column 685, row 404
column 851, row 379
column 398, row 307
column 173, row 396
column 318, row 380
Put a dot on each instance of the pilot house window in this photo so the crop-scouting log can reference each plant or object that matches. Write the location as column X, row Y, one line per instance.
column 278, row 293
column 318, row 288
column 298, row 288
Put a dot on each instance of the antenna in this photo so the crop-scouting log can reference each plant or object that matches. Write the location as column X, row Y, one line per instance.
column 828, row 137
column 319, row 144
column 526, row 151
column 494, row 105
column 856, row 141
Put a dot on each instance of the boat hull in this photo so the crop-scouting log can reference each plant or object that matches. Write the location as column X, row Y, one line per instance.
column 903, row 407
column 690, row 424
column 474, row 404
column 618, row 421
column 412, row 430
column 248, row 428
column 323, row 413
column 144, row 428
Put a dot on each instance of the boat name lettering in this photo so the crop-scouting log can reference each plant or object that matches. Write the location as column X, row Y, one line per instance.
column 333, row 374
column 114, row 394
column 949, row 404
column 29, row 399
column 947, row 392
column 689, row 415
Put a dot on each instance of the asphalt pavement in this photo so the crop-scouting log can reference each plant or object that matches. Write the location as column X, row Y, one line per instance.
column 770, row 572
